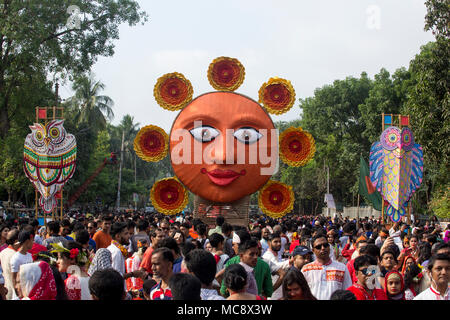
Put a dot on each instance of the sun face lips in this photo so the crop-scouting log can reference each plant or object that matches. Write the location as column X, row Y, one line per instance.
column 222, row 177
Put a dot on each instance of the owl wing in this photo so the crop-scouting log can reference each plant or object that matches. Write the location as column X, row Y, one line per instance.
column 416, row 168
column 376, row 165
column 30, row 164
column 68, row 163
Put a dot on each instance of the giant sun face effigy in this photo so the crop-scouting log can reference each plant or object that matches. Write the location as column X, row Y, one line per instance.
column 223, row 145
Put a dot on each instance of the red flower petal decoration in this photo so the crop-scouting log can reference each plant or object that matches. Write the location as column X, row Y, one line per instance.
column 277, row 95
column 226, row 74
column 276, row 199
column 151, row 143
column 297, row 147
column 169, row 196
column 173, row 91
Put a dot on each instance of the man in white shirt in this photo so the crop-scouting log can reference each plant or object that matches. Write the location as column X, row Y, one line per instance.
column 264, row 237
column 120, row 238
column 284, row 239
column 439, row 270
column 5, row 259
column 325, row 276
column 272, row 258
column 22, row 256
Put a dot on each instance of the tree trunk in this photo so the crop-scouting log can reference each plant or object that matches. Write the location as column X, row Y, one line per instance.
column 120, row 172
column 4, row 121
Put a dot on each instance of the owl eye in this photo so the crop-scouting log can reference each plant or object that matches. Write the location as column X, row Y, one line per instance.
column 393, row 138
column 54, row 132
column 407, row 139
column 247, row 135
column 390, row 138
column 39, row 136
column 204, row 133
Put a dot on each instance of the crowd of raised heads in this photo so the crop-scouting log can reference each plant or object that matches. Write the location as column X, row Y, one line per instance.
column 150, row 256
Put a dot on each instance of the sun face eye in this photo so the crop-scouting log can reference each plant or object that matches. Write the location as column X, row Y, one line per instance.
column 54, row 132
column 247, row 135
column 204, row 133
column 39, row 136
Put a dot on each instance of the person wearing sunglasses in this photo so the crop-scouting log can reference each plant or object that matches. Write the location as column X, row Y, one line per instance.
column 366, row 272
column 325, row 276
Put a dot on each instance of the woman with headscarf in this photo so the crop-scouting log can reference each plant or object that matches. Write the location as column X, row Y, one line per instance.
column 37, row 281
column 51, row 260
column 413, row 278
column 407, row 261
column 394, row 286
column 102, row 260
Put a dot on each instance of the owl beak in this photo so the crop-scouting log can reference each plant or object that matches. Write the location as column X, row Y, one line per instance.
column 47, row 141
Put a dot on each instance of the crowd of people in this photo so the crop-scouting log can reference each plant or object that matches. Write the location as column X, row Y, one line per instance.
column 149, row 256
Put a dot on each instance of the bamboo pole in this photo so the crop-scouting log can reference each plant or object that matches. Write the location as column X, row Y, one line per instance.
column 36, row 203
column 357, row 214
column 61, row 202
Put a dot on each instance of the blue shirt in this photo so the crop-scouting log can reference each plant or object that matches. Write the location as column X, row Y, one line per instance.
column 177, row 265
column 92, row 244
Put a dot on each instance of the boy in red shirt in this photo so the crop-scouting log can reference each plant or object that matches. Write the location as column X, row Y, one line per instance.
column 364, row 288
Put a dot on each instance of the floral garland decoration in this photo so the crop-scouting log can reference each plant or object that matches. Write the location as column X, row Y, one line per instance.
column 277, row 95
column 169, row 196
column 81, row 257
column 276, row 199
column 151, row 143
column 226, row 74
column 122, row 249
column 297, row 147
column 173, row 91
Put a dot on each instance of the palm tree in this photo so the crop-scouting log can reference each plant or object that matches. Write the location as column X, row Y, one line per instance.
column 90, row 107
column 130, row 129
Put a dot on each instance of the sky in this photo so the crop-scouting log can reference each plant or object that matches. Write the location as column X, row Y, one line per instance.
column 309, row 42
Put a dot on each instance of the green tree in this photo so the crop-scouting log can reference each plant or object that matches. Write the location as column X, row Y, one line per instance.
column 334, row 119
column 88, row 105
column 34, row 39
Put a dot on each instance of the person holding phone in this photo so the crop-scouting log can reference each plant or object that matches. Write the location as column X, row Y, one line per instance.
column 411, row 250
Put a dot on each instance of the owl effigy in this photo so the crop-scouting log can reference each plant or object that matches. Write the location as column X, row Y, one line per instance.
column 396, row 168
column 49, row 160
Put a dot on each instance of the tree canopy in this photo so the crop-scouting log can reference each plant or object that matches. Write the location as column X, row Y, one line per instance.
column 38, row 48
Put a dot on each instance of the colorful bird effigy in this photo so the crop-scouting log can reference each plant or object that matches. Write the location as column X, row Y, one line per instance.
column 49, row 160
column 396, row 168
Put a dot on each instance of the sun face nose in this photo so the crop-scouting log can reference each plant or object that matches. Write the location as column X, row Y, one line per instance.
column 223, row 151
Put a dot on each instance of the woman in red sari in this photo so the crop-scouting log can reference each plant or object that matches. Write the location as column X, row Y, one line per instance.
column 37, row 281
